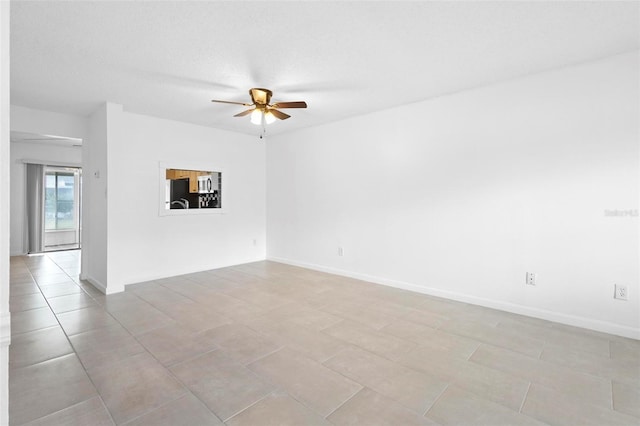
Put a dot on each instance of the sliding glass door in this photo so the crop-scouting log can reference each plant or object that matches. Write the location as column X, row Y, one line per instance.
column 61, row 208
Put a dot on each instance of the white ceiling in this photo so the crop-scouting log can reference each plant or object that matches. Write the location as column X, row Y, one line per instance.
column 169, row 59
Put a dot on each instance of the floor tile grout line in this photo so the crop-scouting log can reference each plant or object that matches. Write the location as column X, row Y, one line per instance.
column 248, row 406
column 260, row 358
column 75, row 353
column 436, row 399
column 524, row 398
column 346, row 400
column 169, row 372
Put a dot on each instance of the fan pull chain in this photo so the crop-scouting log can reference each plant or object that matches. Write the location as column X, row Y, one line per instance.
column 263, row 135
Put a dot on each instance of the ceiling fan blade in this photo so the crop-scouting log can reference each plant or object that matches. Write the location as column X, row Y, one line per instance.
column 279, row 114
column 243, row 113
column 297, row 104
column 230, row 102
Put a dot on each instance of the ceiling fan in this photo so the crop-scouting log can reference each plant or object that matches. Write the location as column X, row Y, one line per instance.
column 262, row 108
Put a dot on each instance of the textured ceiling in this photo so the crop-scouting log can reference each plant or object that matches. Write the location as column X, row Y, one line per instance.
column 169, row 59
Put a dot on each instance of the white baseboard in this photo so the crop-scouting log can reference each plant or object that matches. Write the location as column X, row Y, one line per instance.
column 100, row 285
column 94, row 282
column 576, row 321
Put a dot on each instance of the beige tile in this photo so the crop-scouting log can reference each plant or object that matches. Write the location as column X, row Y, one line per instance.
column 427, row 318
column 227, row 274
column 369, row 339
column 325, row 298
column 142, row 320
column 47, row 277
column 282, row 313
column 160, row 297
column 359, row 313
column 495, row 336
column 120, row 301
column 405, row 298
column 195, row 316
column 175, row 343
column 232, row 307
column 90, row 412
column 71, row 302
column 414, row 390
column 405, row 329
column 105, row 346
column 273, row 305
column 60, row 289
column 456, row 346
column 459, row 407
column 311, row 383
column 300, row 314
column 33, row 319
column 217, row 284
column 187, row 410
column 23, row 289
column 625, row 349
column 26, row 302
column 364, row 367
column 188, row 288
column 409, row 387
column 442, row 307
column 134, row 386
column 577, row 339
column 555, row 407
column 538, row 329
column 37, row 346
column 258, row 297
column 590, row 389
column 20, row 276
column 624, row 369
column 626, row 399
column 475, row 314
column 85, row 319
column 311, row 343
column 314, row 319
column 224, row 386
column 383, row 306
column 370, row 408
column 36, row 390
column 495, row 385
column 240, row 343
column 277, row 409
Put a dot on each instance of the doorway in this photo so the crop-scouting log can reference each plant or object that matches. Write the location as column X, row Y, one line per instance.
column 62, row 208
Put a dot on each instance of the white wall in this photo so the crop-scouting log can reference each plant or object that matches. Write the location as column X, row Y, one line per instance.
column 459, row 196
column 5, row 316
column 43, row 123
column 94, row 239
column 50, row 123
column 47, row 154
column 142, row 245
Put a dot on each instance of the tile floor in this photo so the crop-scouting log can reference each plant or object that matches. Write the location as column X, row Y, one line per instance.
column 266, row 343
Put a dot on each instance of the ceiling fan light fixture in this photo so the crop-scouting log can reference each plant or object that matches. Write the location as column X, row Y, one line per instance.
column 269, row 117
column 263, row 112
column 256, row 117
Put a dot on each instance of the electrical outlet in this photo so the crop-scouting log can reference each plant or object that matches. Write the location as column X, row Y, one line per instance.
column 531, row 278
column 340, row 251
column 620, row 292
